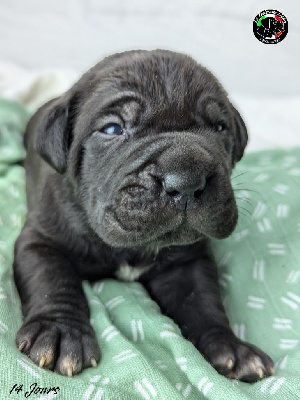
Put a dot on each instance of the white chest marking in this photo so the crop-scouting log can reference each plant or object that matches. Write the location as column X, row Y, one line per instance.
column 128, row 273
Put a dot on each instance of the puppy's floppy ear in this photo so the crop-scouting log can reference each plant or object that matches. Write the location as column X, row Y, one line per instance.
column 54, row 133
column 241, row 136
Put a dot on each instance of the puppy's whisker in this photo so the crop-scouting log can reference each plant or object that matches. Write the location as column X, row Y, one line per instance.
column 247, row 190
column 245, row 209
column 244, row 215
column 238, row 183
column 248, row 201
column 244, row 219
column 243, row 173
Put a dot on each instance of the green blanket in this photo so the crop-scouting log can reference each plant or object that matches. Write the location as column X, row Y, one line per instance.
column 144, row 356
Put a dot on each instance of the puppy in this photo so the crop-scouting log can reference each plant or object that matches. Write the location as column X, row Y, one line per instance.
column 128, row 176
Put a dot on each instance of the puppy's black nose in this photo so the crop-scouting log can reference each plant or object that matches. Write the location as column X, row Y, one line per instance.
column 183, row 189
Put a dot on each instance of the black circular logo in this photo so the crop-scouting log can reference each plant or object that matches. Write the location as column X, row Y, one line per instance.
column 270, row 26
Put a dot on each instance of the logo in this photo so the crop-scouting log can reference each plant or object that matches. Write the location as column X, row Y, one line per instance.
column 270, row 26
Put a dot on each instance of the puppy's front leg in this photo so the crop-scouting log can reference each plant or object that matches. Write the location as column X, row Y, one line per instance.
column 189, row 294
column 56, row 332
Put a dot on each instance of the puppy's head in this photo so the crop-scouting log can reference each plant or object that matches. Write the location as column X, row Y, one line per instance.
column 148, row 141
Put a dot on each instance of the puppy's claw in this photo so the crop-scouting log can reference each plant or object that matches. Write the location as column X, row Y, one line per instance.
column 42, row 361
column 260, row 373
column 70, row 372
column 229, row 363
column 93, row 362
column 22, row 345
column 272, row 371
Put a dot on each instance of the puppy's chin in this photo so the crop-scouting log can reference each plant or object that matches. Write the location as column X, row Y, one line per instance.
column 182, row 229
column 127, row 233
column 117, row 237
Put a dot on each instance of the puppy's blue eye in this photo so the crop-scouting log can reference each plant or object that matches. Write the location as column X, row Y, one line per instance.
column 221, row 127
column 113, row 129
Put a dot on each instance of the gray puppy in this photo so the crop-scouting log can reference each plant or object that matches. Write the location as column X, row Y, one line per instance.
column 128, row 176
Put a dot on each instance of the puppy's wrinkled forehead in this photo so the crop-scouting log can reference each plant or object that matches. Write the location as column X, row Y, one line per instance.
column 156, row 84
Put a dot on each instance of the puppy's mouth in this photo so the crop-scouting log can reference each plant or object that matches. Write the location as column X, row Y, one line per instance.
column 138, row 222
column 135, row 227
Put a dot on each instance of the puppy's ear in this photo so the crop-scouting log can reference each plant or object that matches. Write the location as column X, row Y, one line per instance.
column 53, row 133
column 241, row 136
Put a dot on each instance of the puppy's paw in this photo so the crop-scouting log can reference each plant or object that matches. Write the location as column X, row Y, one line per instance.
column 64, row 347
column 234, row 358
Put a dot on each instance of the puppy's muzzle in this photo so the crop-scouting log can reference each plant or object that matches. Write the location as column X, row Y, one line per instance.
column 183, row 189
column 183, row 172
